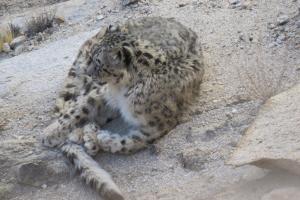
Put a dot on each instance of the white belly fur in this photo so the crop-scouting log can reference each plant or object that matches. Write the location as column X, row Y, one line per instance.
column 116, row 99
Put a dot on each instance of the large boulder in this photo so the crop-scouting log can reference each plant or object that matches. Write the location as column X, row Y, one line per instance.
column 17, row 41
column 289, row 193
column 273, row 140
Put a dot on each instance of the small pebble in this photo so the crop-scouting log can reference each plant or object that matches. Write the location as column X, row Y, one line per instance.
column 241, row 37
column 282, row 19
column 271, row 26
column 44, row 186
column 129, row 2
column 234, row 110
column 182, row 5
column 281, row 37
column 234, row 2
column 100, row 17
column 6, row 48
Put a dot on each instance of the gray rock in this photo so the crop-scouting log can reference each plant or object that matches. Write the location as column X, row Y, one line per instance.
column 240, row 4
column 40, row 173
column 59, row 20
column 100, row 17
column 286, row 29
column 298, row 24
column 40, row 37
column 271, row 26
column 279, row 28
column 282, row 19
column 19, row 49
column 272, row 141
column 32, row 174
column 185, row 4
column 280, row 38
column 17, row 41
column 278, row 41
column 129, row 2
column 273, row 44
column 290, row 34
column 193, row 159
column 6, row 48
column 5, row 191
column 234, row 2
column 290, row 193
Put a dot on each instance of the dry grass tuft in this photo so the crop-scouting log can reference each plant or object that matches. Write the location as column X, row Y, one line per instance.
column 15, row 30
column 39, row 23
column 6, row 36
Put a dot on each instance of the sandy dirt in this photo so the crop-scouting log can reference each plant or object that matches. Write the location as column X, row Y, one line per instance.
column 245, row 64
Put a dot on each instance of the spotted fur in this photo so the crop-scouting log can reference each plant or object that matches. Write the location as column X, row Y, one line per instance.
column 147, row 71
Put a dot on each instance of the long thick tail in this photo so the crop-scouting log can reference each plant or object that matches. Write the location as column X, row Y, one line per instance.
column 92, row 173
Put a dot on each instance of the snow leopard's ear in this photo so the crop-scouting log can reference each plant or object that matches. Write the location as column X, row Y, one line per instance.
column 119, row 57
column 127, row 55
column 115, row 58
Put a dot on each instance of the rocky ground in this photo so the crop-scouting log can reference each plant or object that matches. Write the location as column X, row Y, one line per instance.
column 251, row 51
column 17, row 6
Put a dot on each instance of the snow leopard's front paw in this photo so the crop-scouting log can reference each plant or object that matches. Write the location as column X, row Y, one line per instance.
column 52, row 135
column 90, row 139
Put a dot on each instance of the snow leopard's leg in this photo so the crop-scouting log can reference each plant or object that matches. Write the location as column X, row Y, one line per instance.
column 85, row 110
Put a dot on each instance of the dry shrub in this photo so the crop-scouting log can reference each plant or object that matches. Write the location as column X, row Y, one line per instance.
column 39, row 23
column 6, row 36
column 14, row 29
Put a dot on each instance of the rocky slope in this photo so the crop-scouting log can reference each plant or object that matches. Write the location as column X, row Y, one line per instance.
column 246, row 64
